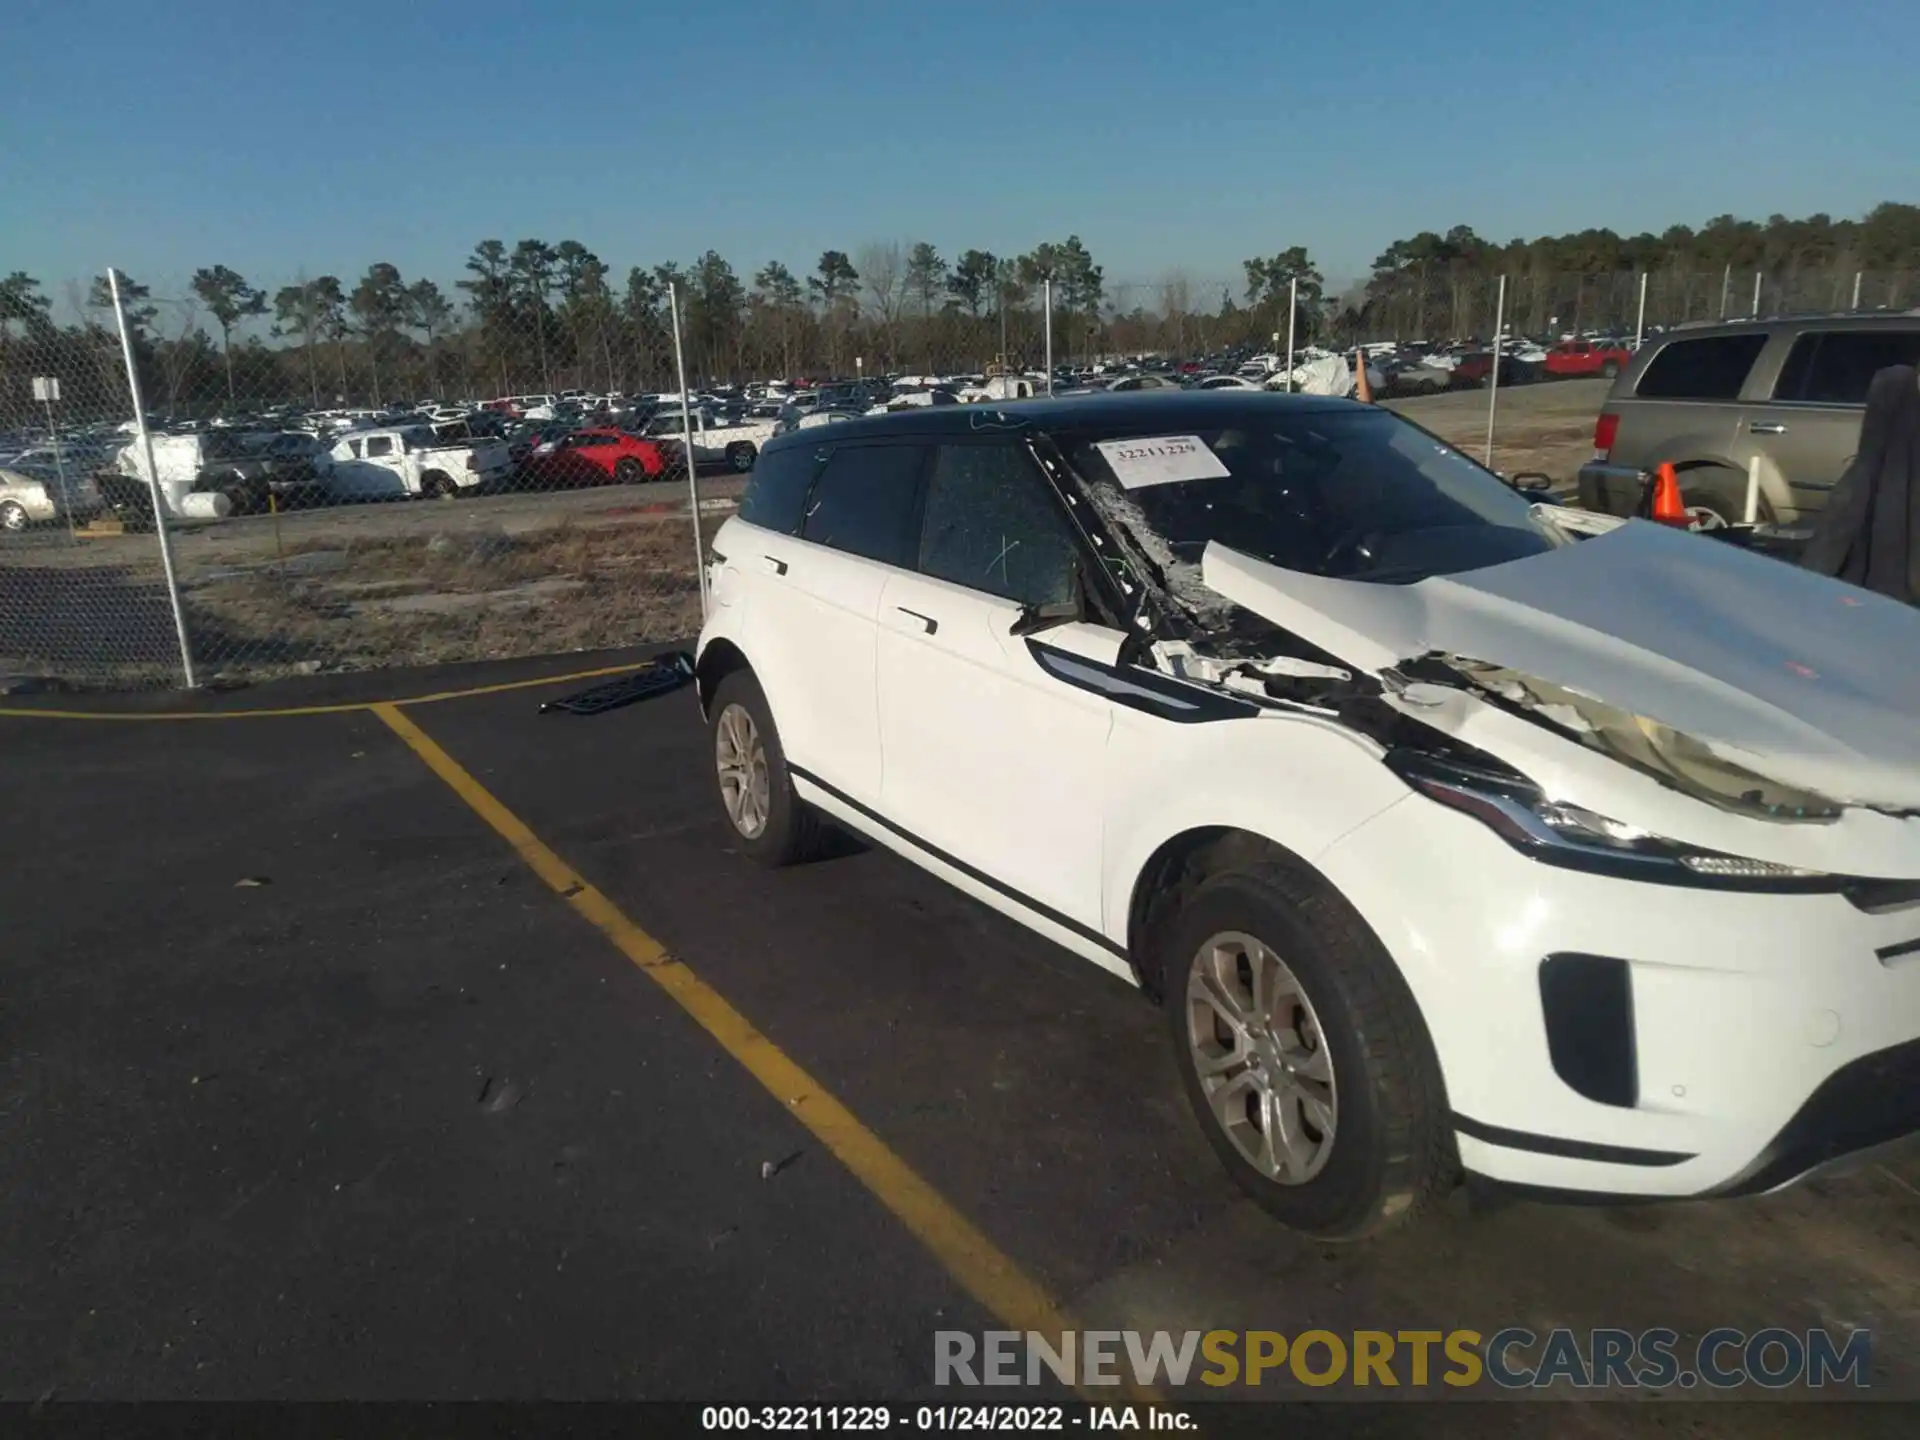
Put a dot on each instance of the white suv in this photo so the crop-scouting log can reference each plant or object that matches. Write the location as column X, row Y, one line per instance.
column 1453, row 831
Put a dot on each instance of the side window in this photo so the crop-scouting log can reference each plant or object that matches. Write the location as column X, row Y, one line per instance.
column 776, row 494
column 1847, row 361
column 354, row 447
column 1711, row 368
column 866, row 502
column 993, row 524
column 1792, row 383
column 379, row 445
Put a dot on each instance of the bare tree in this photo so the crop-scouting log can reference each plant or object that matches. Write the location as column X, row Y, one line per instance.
column 883, row 270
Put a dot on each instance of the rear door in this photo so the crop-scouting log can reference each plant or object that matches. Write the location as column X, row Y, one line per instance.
column 989, row 759
column 812, row 602
column 1809, row 427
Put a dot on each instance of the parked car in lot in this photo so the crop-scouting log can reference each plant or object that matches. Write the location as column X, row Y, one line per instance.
column 213, row 473
column 411, row 461
column 29, row 500
column 1711, row 401
column 1586, row 357
column 1453, row 832
column 596, row 457
column 737, row 444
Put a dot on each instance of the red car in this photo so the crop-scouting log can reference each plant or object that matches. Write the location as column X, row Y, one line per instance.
column 1587, row 357
column 595, row 457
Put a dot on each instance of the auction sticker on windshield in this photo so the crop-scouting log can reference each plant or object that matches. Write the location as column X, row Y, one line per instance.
column 1161, row 460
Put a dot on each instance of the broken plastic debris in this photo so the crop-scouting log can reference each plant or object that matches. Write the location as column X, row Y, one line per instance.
column 251, row 882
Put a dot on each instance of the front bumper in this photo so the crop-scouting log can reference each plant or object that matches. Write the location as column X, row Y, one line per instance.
column 1609, row 489
column 1765, row 1034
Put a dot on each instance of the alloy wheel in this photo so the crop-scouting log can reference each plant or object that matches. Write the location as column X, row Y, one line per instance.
column 741, row 760
column 1257, row 1049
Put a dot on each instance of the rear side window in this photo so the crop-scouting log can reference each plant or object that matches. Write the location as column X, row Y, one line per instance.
column 867, row 502
column 776, row 494
column 1835, row 367
column 992, row 524
column 1711, row 368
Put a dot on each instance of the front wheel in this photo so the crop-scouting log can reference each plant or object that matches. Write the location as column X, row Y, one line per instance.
column 773, row 825
column 1610, row 369
column 1303, row 1054
column 740, row 456
column 628, row 472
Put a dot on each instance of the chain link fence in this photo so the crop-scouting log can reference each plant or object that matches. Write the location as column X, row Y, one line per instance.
column 391, row 471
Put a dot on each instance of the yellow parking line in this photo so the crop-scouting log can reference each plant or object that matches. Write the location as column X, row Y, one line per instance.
column 347, row 707
column 981, row 1268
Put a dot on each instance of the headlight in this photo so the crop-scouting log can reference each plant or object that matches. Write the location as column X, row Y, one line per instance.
column 1557, row 833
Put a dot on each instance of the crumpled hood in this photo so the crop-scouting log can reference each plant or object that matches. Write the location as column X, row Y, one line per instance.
column 1788, row 674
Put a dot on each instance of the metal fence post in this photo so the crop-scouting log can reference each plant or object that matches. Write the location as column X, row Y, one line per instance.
column 686, row 436
column 1726, row 288
column 1046, row 291
column 153, row 480
column 1856, row 289
column 1493, row 375
column 1293, row 310
column 1640, row 321
column 1756, row 295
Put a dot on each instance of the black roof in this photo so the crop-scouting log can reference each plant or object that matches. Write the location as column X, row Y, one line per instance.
column 1172, row 410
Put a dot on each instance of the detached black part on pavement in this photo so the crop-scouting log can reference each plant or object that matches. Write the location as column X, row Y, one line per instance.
column 668, row 673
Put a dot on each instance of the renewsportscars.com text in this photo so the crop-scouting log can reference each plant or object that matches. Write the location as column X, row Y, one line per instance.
column 1513, row 1358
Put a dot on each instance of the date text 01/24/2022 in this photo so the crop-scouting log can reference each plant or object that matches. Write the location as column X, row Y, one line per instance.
column 980, row 1418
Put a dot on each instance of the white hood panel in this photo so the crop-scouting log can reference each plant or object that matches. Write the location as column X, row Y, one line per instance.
column 1789, row 674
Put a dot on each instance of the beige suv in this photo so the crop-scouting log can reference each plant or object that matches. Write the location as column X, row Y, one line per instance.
column 1788, row 392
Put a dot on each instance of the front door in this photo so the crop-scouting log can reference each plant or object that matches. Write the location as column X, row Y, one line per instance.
column 990, row 760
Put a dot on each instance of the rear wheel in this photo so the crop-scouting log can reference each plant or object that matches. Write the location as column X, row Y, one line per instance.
column 13, row 516
column 773, row 825
column 1716, row 498
column 1303, row 1055
column 1610, row 369
column 740, row 456
column 628, row 472
column 438, row 485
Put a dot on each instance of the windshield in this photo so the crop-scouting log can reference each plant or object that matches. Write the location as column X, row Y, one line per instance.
column 1355, row 494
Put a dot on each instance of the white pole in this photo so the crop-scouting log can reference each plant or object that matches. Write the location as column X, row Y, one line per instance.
column 153, row 480
column 1640, row 322
column 1753, row 491
column 1293, row 309
column 1493, row 376
column 1726, row 287
column 1046, row 291
column 1856, row 289
column 1756, row 295
column 686, row 440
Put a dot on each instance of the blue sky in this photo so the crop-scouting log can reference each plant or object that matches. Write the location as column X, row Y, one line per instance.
column 281, row 139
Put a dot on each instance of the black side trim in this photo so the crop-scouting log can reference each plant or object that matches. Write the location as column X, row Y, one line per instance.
column 1895, row 952
column 1141, row 689
column 1565, row 1149
column 1052, row 916
column 1880, row 897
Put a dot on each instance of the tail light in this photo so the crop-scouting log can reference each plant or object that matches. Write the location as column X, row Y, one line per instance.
column 1605, row 430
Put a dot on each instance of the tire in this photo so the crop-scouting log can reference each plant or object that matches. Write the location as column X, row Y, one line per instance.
column 781, row 828
column 13, row 516
column 1352, row 1049
column 628, row 472
column 740, row 457
column 438, row 485
column 1610, row 369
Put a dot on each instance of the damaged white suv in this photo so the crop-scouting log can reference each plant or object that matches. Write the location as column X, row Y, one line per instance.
column 1454, row 832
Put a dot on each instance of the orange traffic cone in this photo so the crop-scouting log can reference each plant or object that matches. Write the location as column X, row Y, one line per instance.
column 1668, row 507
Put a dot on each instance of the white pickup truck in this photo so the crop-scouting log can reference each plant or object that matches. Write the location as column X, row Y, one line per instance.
column 438, row 462
column 738, row 444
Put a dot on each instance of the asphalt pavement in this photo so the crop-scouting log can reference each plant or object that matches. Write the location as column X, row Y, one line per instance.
column 325, row 1081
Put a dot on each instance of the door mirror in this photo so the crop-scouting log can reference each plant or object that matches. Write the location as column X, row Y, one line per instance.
column 1037, row 617
column 1528, row 481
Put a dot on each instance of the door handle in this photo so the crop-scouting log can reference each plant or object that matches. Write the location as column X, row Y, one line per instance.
column 1766, row 427
column 926, row 623
column 773, row 566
